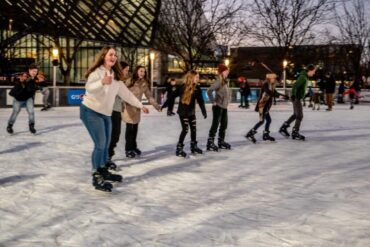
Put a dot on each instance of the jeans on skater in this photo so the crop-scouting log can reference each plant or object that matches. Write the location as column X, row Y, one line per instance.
column 187, row 122
column 99, row 127
column 131, row 135
column 266, row 117
column 116, row 131
column 219, row 118
column 17, row 105
column 297, row 114
column 45, row 96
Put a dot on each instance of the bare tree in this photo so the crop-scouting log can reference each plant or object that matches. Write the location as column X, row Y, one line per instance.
column 287, row 23
column 353, row 22
column 190, row 29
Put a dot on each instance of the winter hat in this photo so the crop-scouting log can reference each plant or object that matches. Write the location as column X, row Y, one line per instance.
column 242, row 79
column 221, row 68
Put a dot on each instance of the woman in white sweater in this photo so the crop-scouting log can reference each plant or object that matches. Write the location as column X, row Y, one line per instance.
column 104, row 82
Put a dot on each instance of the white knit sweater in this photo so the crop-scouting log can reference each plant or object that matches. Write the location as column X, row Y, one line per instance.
column 100, row 98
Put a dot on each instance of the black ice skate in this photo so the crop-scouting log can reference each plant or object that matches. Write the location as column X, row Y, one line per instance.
column 195, row 149
column 223, row 145
column 99, row 183
column 130, row 154
column 32, row 128
column 297, row 136
column 111, row 165
column 9, row 129
column 180, row 150
column 283, row 130
column 267, row 137
column 108, row 175
column 250, row 135
column 137, row 151
column 211, row 145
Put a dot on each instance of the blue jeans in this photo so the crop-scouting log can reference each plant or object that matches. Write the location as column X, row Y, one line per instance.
column 17, row 105
column 99, row 127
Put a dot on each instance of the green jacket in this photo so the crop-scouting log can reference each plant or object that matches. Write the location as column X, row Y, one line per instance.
column 300, row 86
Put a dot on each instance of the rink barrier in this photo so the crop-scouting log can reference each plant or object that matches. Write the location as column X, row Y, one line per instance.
column 72, row 96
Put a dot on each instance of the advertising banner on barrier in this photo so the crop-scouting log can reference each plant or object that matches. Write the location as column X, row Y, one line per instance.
column 74, row 96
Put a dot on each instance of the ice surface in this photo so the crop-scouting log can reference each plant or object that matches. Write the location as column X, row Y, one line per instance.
column 291, row 193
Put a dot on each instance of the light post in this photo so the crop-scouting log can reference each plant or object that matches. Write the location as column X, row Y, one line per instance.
column 55, row 65
column 151, row 56
column 227, row 62
column 285, row 63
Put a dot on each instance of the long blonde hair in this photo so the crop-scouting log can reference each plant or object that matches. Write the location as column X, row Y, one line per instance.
column 118, row 75
column 189, row 86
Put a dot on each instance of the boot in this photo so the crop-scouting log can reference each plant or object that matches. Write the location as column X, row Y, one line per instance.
column 180, row 150
column 130, row 154
column 111, row 165
column 267, row 137
column 32, row 128
column 250, row 135
column 222, row 144
column 9, row 129
column 137, row 151
column 211, row 145
column 99, row 183
column 194, row 148
column 109, row 176
column 297, row 136
column 283, row 130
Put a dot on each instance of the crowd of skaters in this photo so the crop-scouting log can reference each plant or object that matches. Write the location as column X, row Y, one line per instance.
column 113, row 96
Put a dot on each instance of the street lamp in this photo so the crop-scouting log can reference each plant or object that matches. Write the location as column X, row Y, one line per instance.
column 285, row 63
column 227, row 62
column 55, row 63
column 151, row 56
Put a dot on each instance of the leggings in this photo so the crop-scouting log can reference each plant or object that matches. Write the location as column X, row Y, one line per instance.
column 266, row 117
column 185, row 123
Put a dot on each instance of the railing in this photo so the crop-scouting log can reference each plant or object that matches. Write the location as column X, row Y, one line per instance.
column 72, row 96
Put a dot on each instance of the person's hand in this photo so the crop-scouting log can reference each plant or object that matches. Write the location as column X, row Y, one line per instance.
column 214, row 103
column 145, row 110
column 159, row 109
column 107, row 80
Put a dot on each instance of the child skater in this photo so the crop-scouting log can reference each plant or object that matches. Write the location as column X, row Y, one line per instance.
column 263, row 106
column 189, row 92
column 139, row 85
column 102, row 86
column 219, row 109
column 117, row 119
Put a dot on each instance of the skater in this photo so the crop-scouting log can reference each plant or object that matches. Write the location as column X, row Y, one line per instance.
column 341, row 89
column 24, row 93
column 316, row 99
column 102, row 86
column 263, row 106
column 170, row 91
column 353, row 92
column 189, row 92
column 219, row 109
column 245, row 91
column 44, row 89
column 117, row 119
column 298, row 92
column 139, row 85
column 329, row 90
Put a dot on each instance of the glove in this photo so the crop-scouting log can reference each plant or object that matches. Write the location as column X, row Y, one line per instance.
column 286, row 97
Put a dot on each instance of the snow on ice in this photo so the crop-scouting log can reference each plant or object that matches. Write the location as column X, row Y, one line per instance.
column 288, row 193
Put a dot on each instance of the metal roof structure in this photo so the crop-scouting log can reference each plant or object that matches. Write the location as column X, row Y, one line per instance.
column 129, row 23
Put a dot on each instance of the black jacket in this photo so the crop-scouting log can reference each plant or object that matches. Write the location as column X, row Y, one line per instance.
column 329, row 84
column 171, row 90
column 266, row 97
column 245, row 89
column 22, row 91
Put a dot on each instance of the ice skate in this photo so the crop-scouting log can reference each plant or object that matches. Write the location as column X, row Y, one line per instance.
column 267, row 137
column 108, row 175
column 137, row 151
column 32, row 128
column 211, row 145
column 250, row 135
column 180, row 150
column 223, row 145
column 130, row 154
column 9, row 129
column 111, row 165
column 283, row 130
column 99, row 183
column 195, row 149
column 297, row 136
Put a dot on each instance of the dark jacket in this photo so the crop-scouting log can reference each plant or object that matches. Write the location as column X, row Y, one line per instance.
column 268, row 92
column 329, row 84
column 171, row 90
column 244, row 89
column 22, row 91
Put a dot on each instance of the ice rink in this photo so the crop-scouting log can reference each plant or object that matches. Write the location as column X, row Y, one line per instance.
column 288, row 193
